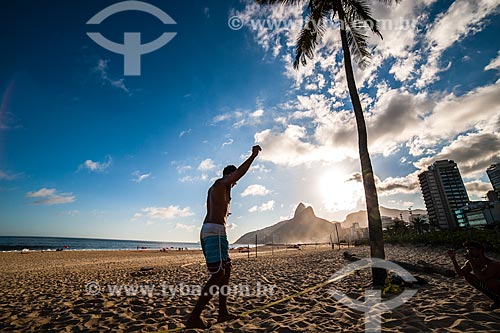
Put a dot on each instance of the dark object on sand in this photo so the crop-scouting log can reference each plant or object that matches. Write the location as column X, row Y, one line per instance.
column 350, row 257
column 421, row 267
column 143, row 271
column 424, row 267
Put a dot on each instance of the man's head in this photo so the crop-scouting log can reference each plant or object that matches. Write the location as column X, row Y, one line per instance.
column 229, row 170
column 475, row 249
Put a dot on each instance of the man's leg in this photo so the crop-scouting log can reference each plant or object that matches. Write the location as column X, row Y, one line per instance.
column 223, row 311
column 195, row 320
column 474, row 281
column 223, row 296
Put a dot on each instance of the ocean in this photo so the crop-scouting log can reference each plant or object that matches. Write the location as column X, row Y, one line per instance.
column 9, row 243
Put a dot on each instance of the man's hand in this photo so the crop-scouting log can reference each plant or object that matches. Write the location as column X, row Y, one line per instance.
column 452, row 253
column 255, row 150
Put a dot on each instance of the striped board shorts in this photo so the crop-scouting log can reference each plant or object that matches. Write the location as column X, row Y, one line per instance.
column 215, row 246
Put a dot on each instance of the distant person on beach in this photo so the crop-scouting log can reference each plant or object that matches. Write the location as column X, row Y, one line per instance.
column 480, row 271
column 215, row 244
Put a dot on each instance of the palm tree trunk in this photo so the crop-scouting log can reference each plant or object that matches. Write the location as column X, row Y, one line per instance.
column 374, row 220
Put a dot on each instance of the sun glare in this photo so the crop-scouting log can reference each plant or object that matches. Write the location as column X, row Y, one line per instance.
column 338, row 192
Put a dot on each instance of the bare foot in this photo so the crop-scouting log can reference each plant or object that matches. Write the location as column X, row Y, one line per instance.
column 197, row 323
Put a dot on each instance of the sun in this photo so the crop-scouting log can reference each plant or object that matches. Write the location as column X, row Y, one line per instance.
column 339, row 191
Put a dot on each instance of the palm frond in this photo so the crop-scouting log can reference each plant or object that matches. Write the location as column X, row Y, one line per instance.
column 312, row 33
column 357, row 40
column 359, row 10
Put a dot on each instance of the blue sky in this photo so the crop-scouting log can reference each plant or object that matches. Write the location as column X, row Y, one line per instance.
column 88, row 152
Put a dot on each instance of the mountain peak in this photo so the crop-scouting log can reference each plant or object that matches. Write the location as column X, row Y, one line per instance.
column 305, row 226
column 301, row 207
column 308, row 211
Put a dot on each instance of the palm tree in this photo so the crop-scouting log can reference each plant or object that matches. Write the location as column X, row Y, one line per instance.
column 349, row 13
column 418, row 223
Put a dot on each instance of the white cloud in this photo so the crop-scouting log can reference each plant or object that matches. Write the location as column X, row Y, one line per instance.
column 187, row 179
column 49, row 196
column 257, row 114
column 416, row 54
column 462, row 19
column 398, row 119
column 240, row 118
column 228, row 143
column 103, row 70
column 184, row 168
column 136, row 217
column 398, row 185
column 96, row 166
column 206, row 165
column 140, row 177
column 231, row 226
column 43, row 192
column 264, row 207
column 259, row 168
column 181, row 134
column 222, row 117
column 473, row 153
column 478, row 188
column 266, row 36
column 165, row 213
column 188, row 228
column 494, row 63
column 281, row 120
column 287, row 148
column 255, row 190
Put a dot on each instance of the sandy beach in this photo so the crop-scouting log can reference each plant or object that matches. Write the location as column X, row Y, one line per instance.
column 87, row 291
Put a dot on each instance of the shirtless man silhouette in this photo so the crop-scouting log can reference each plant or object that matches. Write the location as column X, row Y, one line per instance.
column 215, row 244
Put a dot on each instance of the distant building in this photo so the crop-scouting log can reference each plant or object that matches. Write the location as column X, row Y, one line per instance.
column 365, row 233
column 494, row 175
column 387, row 222
column 444, row 192
column 478, row 213
column 352, row 232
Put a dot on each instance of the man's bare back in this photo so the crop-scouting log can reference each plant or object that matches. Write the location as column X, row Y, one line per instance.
column 218, row 202
column 219, row 194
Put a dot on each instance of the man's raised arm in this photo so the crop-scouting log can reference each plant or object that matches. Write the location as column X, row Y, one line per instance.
column 461, row 271
column 243, row 168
